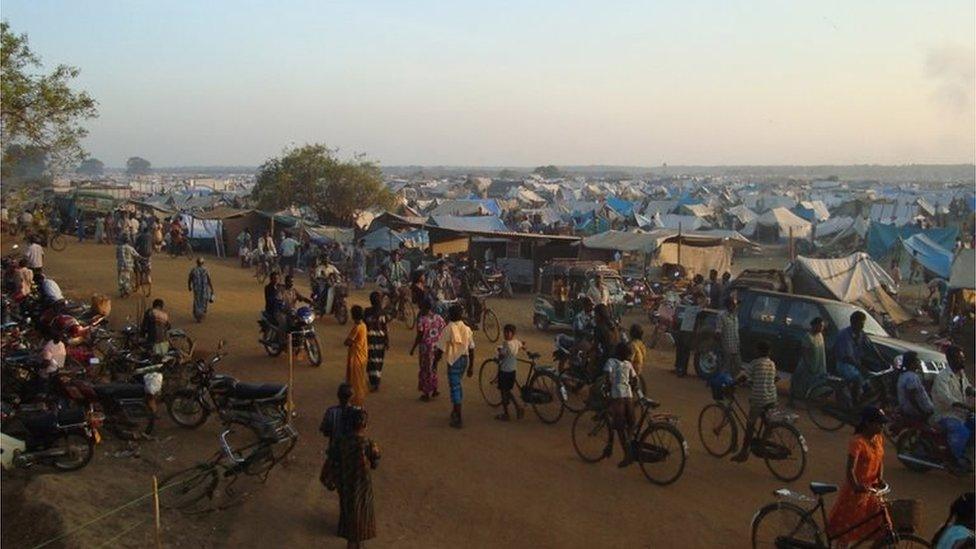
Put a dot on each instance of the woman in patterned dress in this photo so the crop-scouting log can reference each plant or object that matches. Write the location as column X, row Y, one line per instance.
column 356, row 456
column 377, row 339
column 429, row 327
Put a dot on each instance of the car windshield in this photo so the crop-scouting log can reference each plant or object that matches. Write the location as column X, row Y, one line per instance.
column 871, row 327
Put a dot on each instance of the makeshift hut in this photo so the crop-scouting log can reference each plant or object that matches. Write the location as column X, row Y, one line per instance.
column 852, row 279
column 776, row 225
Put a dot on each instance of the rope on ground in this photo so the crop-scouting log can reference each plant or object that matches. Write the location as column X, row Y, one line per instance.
column 122, row 533
column 104, row 515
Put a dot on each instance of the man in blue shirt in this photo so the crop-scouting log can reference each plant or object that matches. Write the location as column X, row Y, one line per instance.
column 849, row 350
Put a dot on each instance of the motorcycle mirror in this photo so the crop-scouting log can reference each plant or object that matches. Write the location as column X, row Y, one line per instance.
column 15, row 246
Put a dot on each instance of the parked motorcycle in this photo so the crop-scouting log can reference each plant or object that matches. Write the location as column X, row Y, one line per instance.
column 63, row 438
column 301, row 331
column 922, row 447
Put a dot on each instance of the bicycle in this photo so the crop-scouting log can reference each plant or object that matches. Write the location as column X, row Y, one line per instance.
column 654, row 440
column 142, row 278
column 186, row 490
column 784, row 524
column 542, row 388
column 777, row 441
column 489, row 320
column 829, row 403
column 400, row 307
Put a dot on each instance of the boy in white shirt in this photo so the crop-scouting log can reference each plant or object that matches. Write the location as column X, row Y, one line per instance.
column 621, row 376
column 507, row 371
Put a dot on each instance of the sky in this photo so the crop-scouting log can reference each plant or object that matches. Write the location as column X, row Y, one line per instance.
column 520, row 83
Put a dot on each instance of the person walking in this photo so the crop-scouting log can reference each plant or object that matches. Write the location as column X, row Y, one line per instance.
column 812, row 366
column 359, row 265
column 125, row 262
column 201, row 285
column 429, row 328
column 289, row 255
column 456, row 347
column 377, row 339
column 356, row 358
column 355, row 456
column 34, row 254
column 865, row 470
column 100, row 230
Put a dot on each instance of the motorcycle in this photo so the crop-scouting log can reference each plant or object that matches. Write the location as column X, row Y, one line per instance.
column 494, row 282
column 125, row 406
column 63, row 438
column 922, row 447
column 301, row 331
column 232, row 400
column 339, row 294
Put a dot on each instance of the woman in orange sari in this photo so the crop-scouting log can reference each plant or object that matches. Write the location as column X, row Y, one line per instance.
column 865, row 468
column 356, row 358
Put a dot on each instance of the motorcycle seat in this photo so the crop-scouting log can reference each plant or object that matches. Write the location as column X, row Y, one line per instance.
column 254, row 391
column 821, row 488
column 120, row 390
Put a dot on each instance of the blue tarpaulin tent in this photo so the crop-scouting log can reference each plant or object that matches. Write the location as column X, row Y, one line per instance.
column 933, row 257
column 882, row 239
column 621, row 206
column 481, row 223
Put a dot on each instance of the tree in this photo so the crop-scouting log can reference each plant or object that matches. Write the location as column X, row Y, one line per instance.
column 91, row 166
column 508, row 174
column 136, row 165
column 312, row 175
column 548, row 172
column 40, row 110
column 24, row 165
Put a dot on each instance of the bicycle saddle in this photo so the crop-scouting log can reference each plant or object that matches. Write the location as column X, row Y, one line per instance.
column 651, row 403
column 821, row 488
column 531, row 355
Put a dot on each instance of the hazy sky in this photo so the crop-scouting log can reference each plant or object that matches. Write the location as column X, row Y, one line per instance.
column 522, row 82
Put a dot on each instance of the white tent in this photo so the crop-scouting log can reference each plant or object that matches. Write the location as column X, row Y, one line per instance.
column 776, row 224
column 853, row 279
column 963, row 275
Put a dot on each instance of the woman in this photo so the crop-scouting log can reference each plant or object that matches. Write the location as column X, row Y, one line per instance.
column 199, row 283
column 356, row 455
column 377, row 338
column 865, row 467
column 99, row 230
column 812, row 368
column 356, row 357
column 429, row 328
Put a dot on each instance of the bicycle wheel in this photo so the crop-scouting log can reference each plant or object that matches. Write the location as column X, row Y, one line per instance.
column 784, row 451
column 409, row 314
column 717, row 430
column 187, row 489
column 661, row 452
column 904, row 541
column 313, row 351
column 576, row 391
column 183, row 344
column 817, row 399
column 146, row 285
column 784, row 521
column 544, row 390
column 58, row 243
column 592, row 435
column 490, row 325
column 488, row 383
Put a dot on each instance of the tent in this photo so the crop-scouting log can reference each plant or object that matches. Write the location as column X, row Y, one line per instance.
column 619, row 205
column 387, row 239
column 883, row 239
column 481, row 223
column 322, row 234
column 674, row 221
column 699, row 251
column 852, row 279
column 742, row 213
column 812, row 210
column 776, row 224
column 933, row 257
column 962, row 274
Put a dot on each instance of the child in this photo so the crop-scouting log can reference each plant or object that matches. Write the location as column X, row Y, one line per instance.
column 507, row 370
column 762, row 395
column 456, row 346
column 637, row 349
column 621, row 374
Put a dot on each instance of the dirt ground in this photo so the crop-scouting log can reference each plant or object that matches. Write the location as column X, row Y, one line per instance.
column 490, row 484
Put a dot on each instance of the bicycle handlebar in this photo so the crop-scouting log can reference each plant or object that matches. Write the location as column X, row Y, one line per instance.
column 228, row 451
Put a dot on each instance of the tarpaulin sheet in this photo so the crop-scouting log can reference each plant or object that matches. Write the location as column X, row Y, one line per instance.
column 852, row 279
column 481, row 223
column 963, row 274
column 933, row 257
column 882, row 239
column 621, row 206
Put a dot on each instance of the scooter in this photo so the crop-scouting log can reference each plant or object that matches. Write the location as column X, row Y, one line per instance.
column 63, row 438
column 302, row 333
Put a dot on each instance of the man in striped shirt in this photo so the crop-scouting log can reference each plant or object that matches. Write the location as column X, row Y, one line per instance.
column 761, row 373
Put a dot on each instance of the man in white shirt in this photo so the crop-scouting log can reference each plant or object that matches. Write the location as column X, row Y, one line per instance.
column 456, row 346
column 598, row 293
column 53, row 354
column 48, row 288
column 289, row 255
column 952, row 397
column 34, row 254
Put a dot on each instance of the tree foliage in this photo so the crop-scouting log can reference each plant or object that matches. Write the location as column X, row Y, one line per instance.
column 313, row 176
column 91, row 166
column 136, row 165
column 24, row 165
column 40, row 110
column 548, row 172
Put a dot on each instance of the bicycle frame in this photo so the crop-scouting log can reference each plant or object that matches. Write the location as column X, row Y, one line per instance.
column 885, row 527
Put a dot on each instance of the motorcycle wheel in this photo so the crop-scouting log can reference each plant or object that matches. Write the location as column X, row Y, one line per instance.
column 342, row 315
column 79, row 449
column 313, row 351
column 270, row 342
column 186, row 410
column 911, row 443
column 58, row 243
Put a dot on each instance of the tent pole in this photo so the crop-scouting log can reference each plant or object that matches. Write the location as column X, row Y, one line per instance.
column 679, row 243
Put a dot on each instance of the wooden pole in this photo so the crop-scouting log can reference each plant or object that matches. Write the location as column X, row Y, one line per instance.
column 291, row 378
column 159, row 542
column 679, row 244
column 789, row 247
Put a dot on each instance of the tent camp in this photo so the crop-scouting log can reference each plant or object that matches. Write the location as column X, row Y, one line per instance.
column 936, row 259
column 776, row 224
column 852, row 279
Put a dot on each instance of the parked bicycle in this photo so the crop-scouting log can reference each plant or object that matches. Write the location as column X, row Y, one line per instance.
column 542, row 389
column 656, row 444
column 778, row 442
column 792, row 523
column 142, row 278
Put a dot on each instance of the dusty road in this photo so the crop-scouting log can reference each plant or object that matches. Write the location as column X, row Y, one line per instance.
column 491, row 484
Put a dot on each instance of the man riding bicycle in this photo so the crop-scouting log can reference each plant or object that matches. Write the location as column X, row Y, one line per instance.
column 851, row 347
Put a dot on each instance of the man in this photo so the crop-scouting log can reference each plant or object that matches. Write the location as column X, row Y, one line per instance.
column 271, row 304
column 850, row 348
column 913, row 402
column 599, row 293
column 726, row 285
column 23, row 280
column 289, row 255
column 359, row 265
column 442, row 283
column 244, row 243
column 322, row 282
column 202, row 287
column 266, row 246
column 456, row 346
column 287, row 301
column 728, row 332
column 812, row 366
column 145, row 246
column 952, row 397
column 48, row 288
column 155, row 328
column 761, row 373
column 34, row 254
column 125, row 261
column 714, row 290
column 560, row 296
